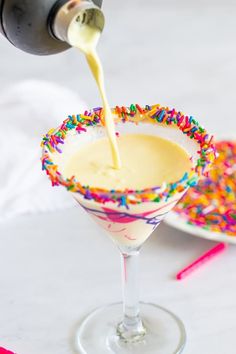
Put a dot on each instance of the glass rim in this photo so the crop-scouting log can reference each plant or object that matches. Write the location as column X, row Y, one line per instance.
column 155, row 114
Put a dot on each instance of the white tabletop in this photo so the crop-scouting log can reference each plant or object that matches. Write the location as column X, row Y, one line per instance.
column 55, row 268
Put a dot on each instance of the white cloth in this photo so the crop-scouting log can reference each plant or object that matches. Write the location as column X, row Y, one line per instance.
column 27, row 111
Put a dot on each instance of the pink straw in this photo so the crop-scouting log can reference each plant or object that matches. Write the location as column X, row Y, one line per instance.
column 220, row 247
column 5, row 351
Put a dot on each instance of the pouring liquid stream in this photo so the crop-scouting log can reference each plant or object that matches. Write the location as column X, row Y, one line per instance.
column 97, row 70
column 86, row 40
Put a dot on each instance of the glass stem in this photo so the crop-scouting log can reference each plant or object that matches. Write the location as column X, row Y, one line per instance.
column 131, row 328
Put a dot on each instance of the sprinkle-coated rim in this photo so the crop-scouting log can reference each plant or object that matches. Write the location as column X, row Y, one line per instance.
column 155, row 114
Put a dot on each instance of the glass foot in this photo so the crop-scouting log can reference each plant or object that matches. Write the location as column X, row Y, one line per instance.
column 165, row 333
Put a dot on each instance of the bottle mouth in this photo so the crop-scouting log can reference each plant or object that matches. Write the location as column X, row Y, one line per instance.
column 75, row 21
column 91, row 17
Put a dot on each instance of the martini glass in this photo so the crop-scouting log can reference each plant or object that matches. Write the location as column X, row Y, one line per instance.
column 129, row 217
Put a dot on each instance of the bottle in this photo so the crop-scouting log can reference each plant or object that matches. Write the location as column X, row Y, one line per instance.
column 40, row 26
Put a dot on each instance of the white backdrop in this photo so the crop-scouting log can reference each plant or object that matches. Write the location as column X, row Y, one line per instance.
column 180, row 53
column 56, row 267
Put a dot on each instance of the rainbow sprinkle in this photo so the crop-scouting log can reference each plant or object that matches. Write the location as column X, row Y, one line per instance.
column 212, row 203
column 135, row 113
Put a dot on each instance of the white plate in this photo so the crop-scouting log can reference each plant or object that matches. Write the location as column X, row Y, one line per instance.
column 178, row 222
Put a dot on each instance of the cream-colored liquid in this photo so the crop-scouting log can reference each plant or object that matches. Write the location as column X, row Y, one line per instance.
column 86, row 40
column 147, row 161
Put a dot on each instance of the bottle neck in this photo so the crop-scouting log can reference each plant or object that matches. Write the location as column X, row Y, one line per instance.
column 39, row 26
column 80, row 15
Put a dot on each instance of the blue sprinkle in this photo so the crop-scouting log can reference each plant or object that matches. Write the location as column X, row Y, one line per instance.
column 161, row 116
column 78, row 118
column 184, row 178
column 192, row 183
column 123, row 202
column 193, row 130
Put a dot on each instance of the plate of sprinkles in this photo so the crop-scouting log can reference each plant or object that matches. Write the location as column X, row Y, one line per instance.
column 208, row 210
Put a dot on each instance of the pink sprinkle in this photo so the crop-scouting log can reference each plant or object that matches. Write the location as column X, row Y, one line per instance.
column 180, row 120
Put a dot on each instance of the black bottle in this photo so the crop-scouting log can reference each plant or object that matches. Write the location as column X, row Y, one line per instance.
column 33, row 25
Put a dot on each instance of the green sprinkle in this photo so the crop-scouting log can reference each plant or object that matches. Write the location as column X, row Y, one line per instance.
column 157, row 199
column 133, row 108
